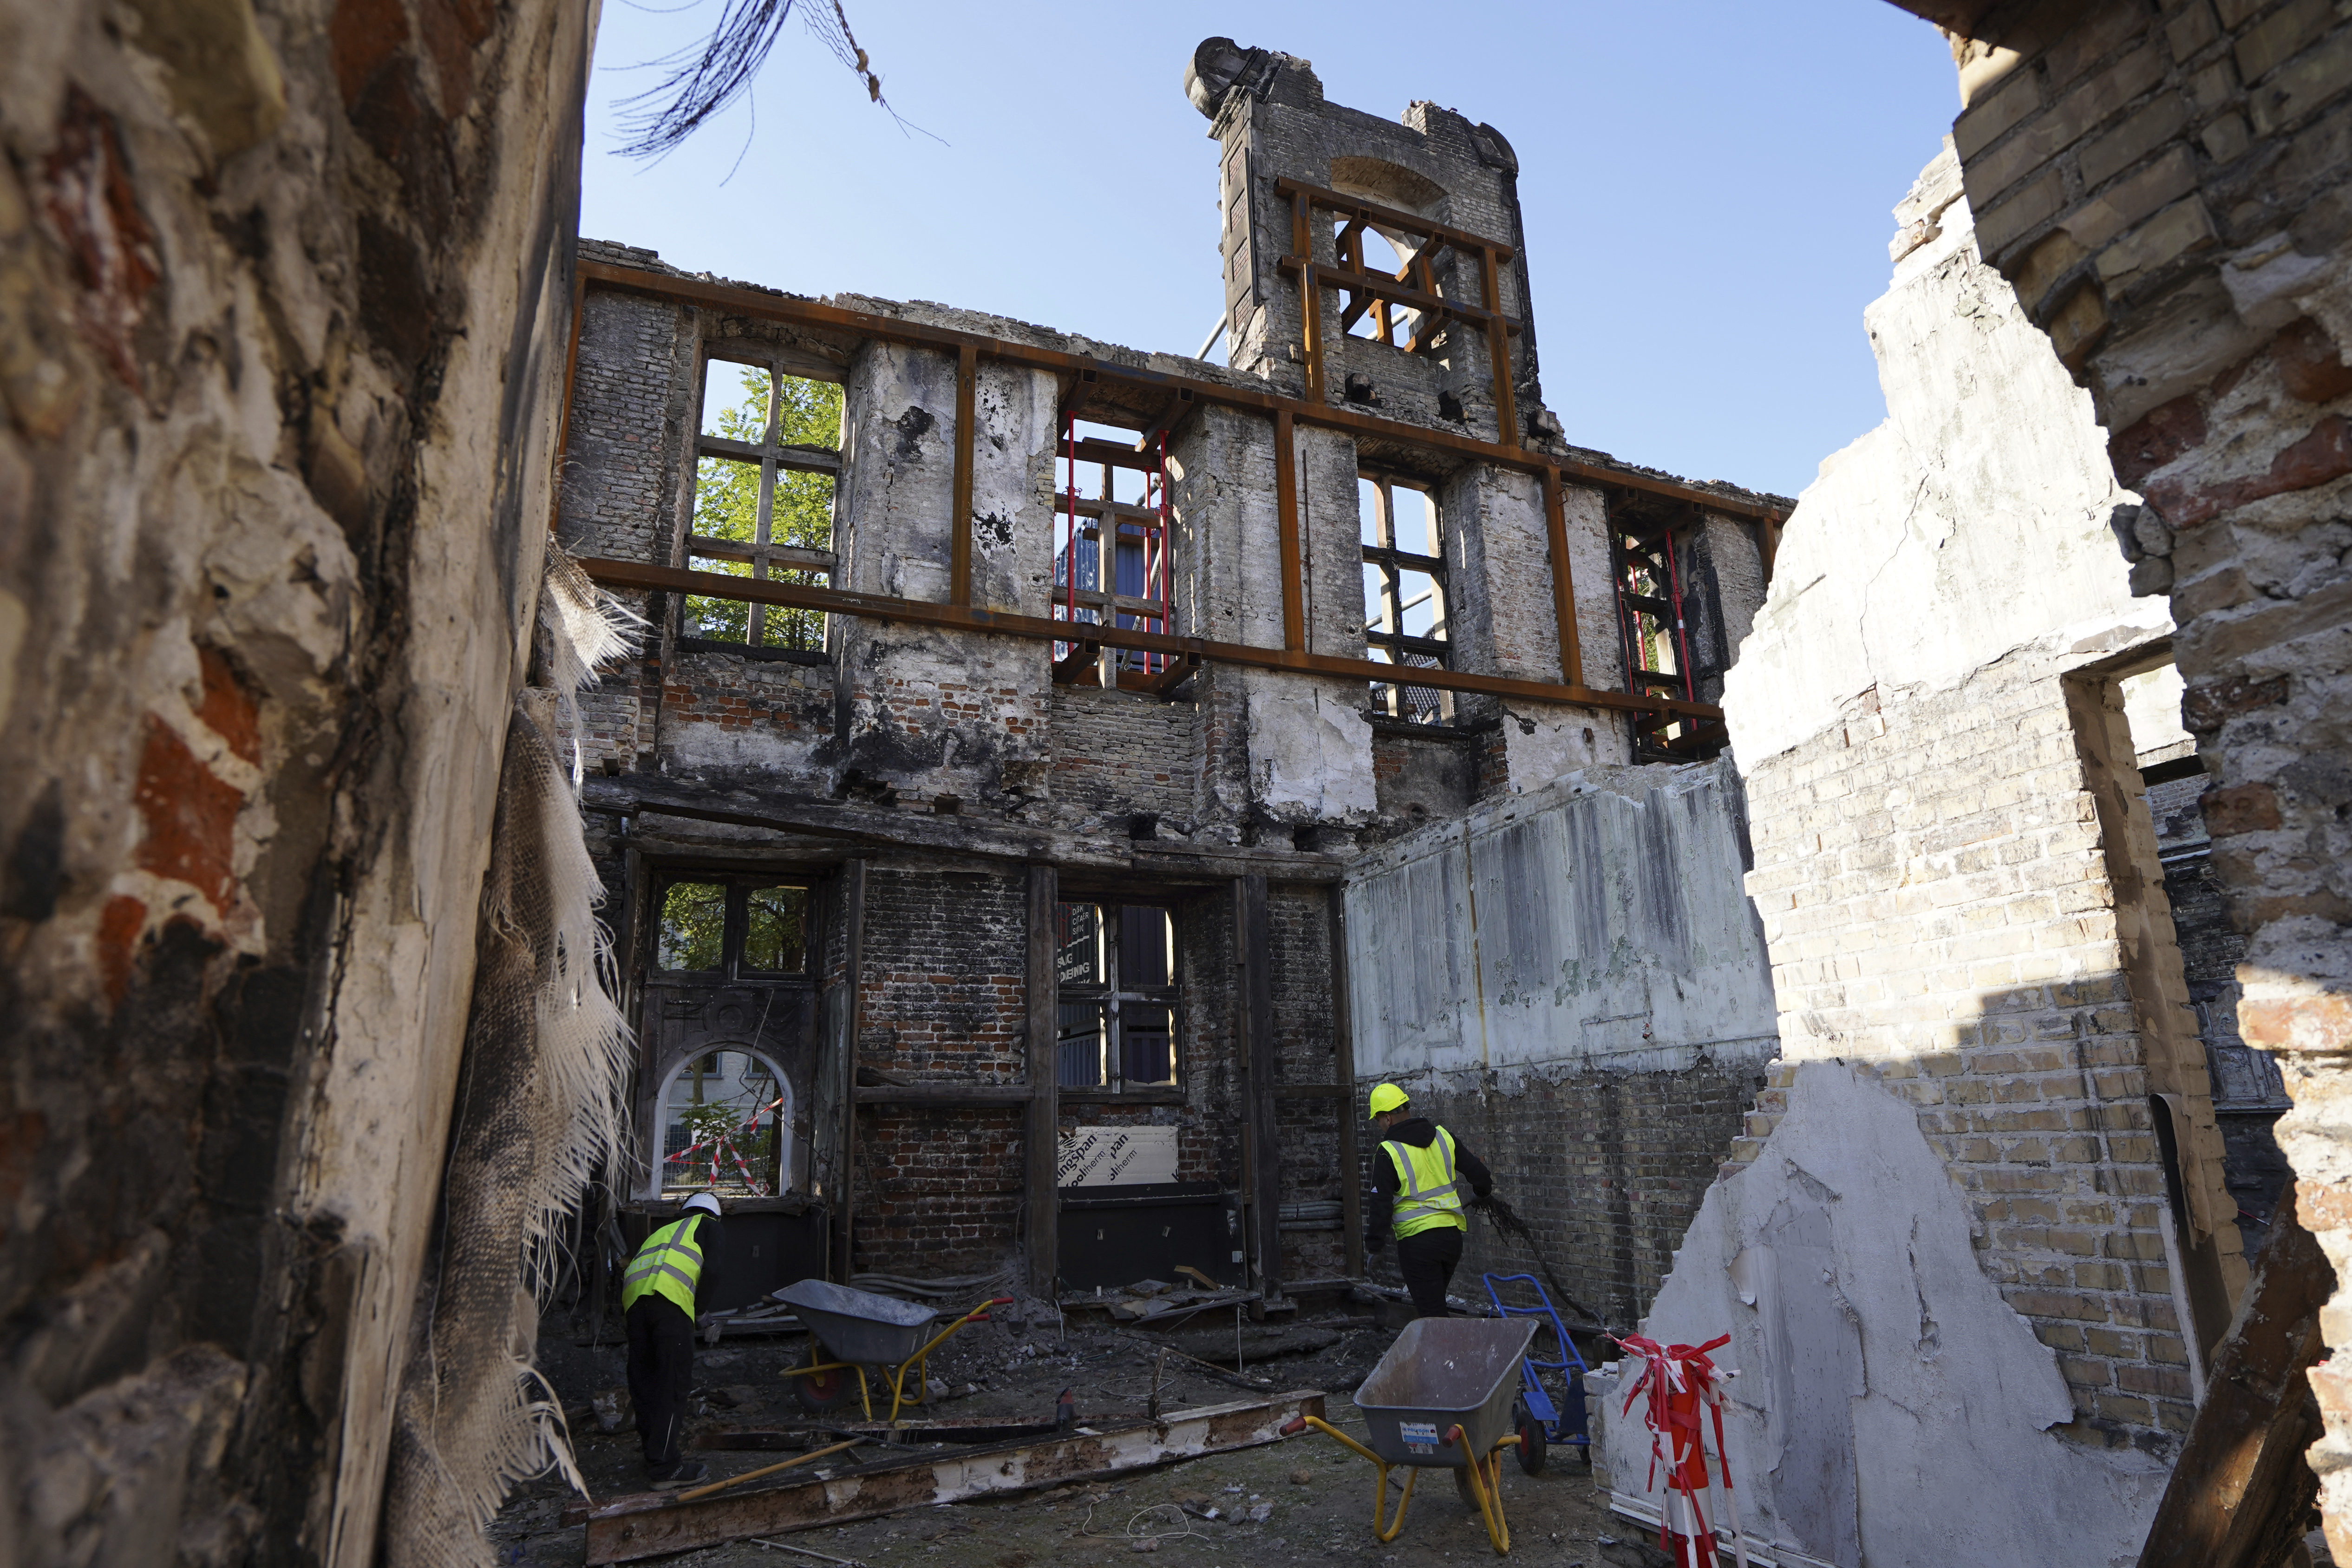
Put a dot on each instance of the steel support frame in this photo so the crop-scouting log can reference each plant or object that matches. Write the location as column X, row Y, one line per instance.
column 736, row 300
column 917, row 612
column 1287, row 412
column 1306, row 200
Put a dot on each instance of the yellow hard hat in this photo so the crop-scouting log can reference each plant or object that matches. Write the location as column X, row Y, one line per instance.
column 1386, row 1097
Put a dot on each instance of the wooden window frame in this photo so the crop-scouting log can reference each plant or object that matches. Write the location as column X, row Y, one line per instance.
column 1115, row 1088
column 731, row 969
column 774, row 457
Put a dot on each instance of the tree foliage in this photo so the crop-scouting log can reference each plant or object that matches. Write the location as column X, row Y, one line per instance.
column 727, row 503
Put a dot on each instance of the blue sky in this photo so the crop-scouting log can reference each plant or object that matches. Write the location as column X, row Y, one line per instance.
column 1705, row 183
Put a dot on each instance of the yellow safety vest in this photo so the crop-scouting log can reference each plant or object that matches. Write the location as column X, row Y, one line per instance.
column 1426, row 1197
column 668, row 1265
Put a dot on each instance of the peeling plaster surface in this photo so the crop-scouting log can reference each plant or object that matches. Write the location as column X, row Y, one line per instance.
column 1900, row 567
column 1889, row 1408
column 1310, row 755
column 1598, row 921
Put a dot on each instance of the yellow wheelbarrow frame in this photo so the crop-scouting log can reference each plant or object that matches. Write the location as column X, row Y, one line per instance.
column 898, row 1374
column 1485, row 1473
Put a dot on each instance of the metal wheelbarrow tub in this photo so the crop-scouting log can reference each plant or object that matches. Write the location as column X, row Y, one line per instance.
column 1443, row 1372
column 857, row 1325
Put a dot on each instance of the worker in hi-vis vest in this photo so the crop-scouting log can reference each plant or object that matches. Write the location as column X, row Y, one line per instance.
column 678, row 1264
column 1418, row 1172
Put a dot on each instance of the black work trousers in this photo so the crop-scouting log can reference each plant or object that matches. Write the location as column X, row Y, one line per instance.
column 1427, row 1260
column 661, row 1376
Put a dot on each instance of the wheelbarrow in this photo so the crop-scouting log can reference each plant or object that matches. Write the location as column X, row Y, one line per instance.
column 1543, row 1423
column 1441, row 1399
column 850, row 1330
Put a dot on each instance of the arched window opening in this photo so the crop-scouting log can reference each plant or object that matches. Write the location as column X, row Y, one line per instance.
column 725, row 1123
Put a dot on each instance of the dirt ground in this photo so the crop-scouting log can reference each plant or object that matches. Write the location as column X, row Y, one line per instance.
column 1302, row 1500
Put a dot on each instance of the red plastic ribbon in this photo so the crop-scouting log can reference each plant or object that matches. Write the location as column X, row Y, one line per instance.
column 1679, row 1379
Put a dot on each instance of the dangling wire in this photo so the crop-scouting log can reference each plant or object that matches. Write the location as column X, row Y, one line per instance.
column 704, row 79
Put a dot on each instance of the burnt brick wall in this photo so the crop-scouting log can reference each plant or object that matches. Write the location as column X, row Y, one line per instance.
column 1415, row 778
column 946, row 967
column 1298, row 921
column 625, row 457
column 1609, row 1168
column 2249, row 1092
column 1207, row 995
column 725, row 713
column 1116, row 754
column 938, row 1189
column 945, row 971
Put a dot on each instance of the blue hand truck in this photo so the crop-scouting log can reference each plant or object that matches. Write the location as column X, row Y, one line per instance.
column 1540, row 1421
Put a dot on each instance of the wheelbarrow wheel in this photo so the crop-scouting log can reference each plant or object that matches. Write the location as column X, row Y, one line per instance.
column 1462, row 1485
column 821, row 1391
column 1531, row 1438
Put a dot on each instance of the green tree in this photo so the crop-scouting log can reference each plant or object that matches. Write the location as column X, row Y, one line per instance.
column 693, row 925
column 727, row 504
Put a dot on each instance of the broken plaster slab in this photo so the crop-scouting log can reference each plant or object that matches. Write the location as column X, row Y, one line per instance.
column 1890, row 1408
column 1990, row 455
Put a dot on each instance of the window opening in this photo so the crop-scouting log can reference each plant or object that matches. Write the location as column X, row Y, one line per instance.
column 1114, row 970
column 1404, row 592
column 775, row 930
column 1652, row 636
column 766, row 462
column 1130, row 507
column 725, row 1123
column 1368, row 313
column 693, row 926
column 732, row 927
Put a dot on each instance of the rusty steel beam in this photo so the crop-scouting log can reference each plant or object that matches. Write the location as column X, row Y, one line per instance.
column 737, row 299
column 1397, row 293
column 958, row 618
column 1387, row 218
column 655, row 1525
column 960, row 528
column 1498, row 349
column 1563, row 582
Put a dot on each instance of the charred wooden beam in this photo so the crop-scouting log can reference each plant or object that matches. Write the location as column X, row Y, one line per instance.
column 2242, row 1494
column 1253, row 942
column 630, row 1529
column 1041, row 1130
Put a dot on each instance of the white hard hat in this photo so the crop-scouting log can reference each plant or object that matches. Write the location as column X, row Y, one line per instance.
column 707, row 1202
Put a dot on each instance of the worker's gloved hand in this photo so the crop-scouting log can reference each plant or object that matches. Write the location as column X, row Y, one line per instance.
column 1376, row 1240
column 1483, row 1203
column 710, row 1332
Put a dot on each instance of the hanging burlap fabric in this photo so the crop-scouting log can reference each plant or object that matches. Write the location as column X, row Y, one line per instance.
column 539, row 1112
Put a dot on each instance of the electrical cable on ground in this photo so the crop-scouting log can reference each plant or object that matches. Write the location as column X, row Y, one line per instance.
column 1085, row 1530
